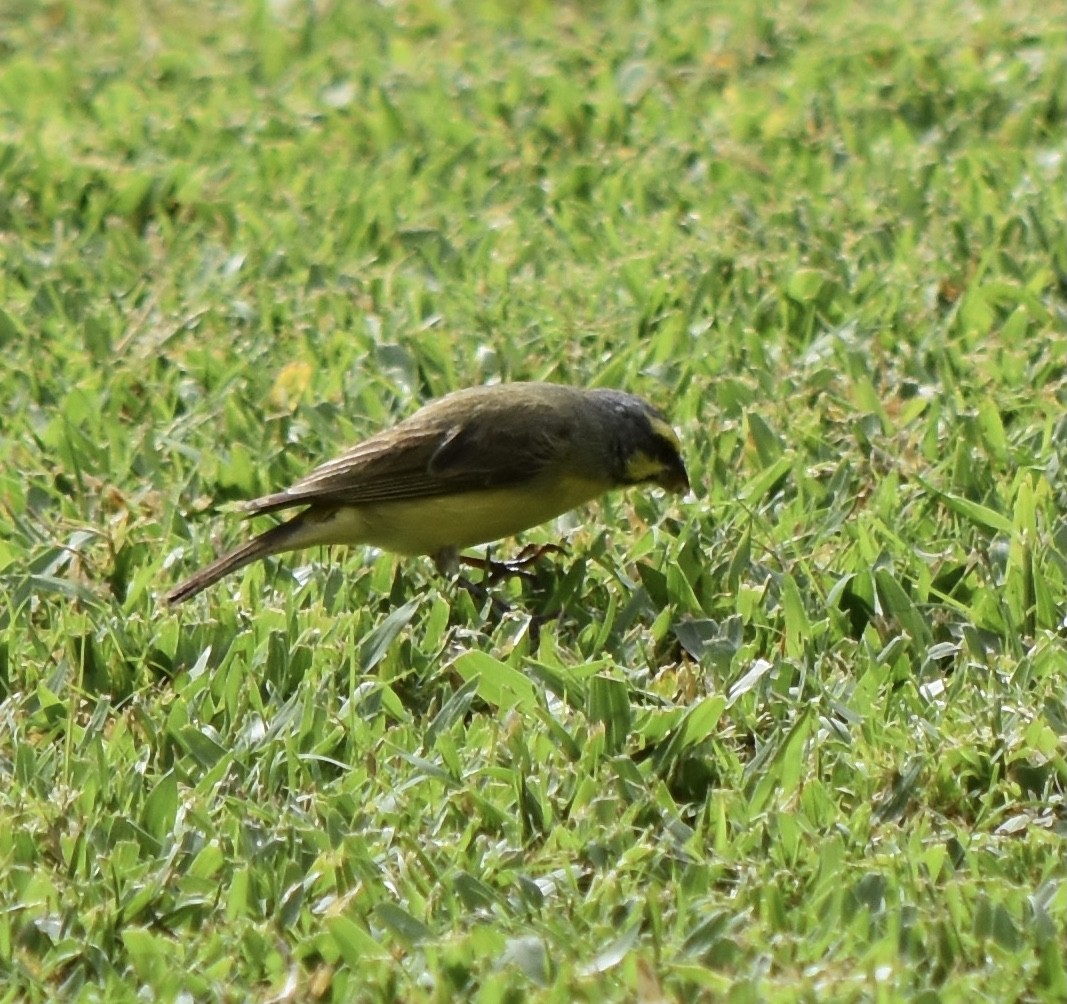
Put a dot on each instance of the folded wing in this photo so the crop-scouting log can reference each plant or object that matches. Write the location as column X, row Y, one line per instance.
column 431, row 459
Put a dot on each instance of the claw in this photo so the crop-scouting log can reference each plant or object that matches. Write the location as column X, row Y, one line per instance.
column 494, row 571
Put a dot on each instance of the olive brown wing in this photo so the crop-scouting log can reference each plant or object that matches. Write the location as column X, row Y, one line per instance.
column 406, row 462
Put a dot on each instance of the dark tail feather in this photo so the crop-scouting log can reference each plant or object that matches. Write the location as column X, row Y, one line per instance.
column 276, row 539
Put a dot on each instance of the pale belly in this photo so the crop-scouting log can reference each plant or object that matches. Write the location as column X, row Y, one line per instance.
column 427, row 526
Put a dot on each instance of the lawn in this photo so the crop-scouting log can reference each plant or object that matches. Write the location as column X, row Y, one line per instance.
column 800, row 736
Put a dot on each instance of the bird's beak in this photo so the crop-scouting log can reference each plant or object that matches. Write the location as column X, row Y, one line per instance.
column 675, row 478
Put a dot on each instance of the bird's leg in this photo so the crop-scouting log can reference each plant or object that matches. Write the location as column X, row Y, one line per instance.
column 535, row 552
column 481, row 592
column 494, row 571
column 447, row 561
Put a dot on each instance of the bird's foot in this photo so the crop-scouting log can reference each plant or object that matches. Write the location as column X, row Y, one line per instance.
column 481, row 593
column 494, row 571
column 500, row 608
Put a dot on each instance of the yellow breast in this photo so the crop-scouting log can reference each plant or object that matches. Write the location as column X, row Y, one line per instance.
column 428, row 525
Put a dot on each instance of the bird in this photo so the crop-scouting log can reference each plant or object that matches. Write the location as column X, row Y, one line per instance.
column 474, row 466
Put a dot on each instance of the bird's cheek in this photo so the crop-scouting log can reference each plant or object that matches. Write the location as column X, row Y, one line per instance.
column 641, row 467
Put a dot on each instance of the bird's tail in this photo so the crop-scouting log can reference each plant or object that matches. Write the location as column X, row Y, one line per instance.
column 284, row 537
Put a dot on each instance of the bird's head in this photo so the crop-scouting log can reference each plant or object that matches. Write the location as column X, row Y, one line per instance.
column 645, row 449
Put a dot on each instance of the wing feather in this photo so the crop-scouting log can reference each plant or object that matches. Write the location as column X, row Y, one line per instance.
column 430, row 455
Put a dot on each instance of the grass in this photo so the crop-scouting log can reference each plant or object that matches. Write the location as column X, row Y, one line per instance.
column 800, row 737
